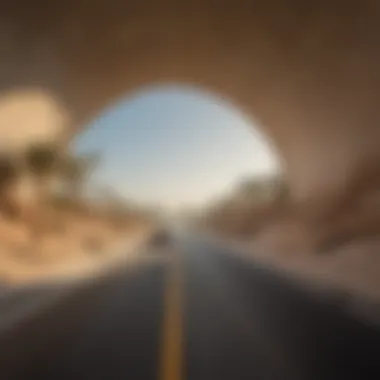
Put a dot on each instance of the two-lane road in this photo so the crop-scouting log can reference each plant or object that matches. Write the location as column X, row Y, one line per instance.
column 200, row 313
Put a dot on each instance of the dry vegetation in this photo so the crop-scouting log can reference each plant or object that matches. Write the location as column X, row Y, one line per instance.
column 48, row 227
column 253, row 205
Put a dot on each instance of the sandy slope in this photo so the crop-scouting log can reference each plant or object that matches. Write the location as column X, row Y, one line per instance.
column 85, row 246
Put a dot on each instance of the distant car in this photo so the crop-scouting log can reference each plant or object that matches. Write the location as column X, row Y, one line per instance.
column 159, row 238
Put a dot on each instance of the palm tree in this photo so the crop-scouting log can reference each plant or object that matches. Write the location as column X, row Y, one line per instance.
column 42, row 161
column 8, row 176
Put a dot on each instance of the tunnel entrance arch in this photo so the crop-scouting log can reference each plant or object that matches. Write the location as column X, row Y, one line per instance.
column 297, row 69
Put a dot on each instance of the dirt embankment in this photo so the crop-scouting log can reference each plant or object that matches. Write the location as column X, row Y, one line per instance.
column 340, row 251
column 64, row 243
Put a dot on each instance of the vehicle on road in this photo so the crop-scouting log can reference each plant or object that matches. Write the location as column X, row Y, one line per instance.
column 159, row 238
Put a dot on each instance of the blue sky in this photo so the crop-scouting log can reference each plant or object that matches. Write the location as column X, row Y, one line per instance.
column 174, row 146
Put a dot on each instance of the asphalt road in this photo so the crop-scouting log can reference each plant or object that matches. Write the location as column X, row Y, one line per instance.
column 200, row 313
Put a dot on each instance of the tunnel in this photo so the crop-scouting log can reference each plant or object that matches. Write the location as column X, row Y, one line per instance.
column 308, row 73
column 310, row 81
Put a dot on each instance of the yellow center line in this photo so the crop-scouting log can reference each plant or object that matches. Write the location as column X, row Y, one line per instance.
column 171, row 365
